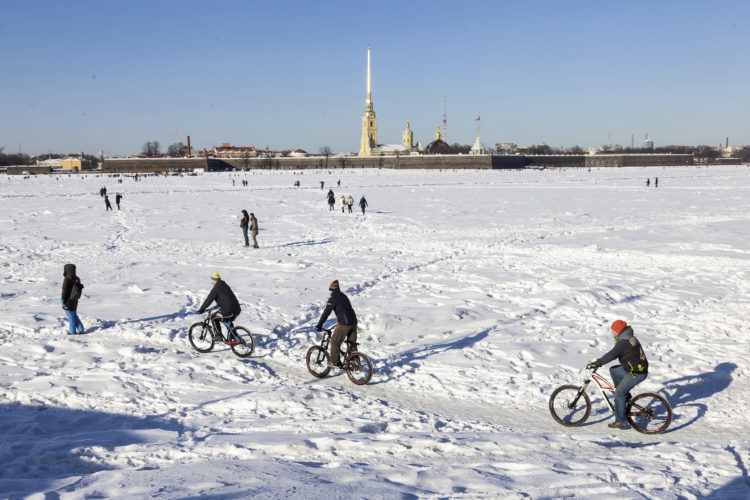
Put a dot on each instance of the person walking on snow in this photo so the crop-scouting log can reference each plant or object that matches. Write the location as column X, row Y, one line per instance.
column 349, row 202
column 71, row 292
column 648, row 182
column 343, row 203
column 107, row 204
column 118, row 197
column 363, row 204
column 656, row 182
column 632, row 370
column 254, row 229
column 331, row 200
column 347, row 322
column 244, row 225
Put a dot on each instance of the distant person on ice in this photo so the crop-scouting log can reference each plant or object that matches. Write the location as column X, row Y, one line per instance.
column 363, row 204
column 229, row 306
column 648, row 182
column 347, row 322
column 254, row 229
column 343, row 203
column 331, row 200
column 71, row 292
column 656, row 182
column 632, row 370
column 244, row 225
column 349, row 202
column 107, row 204
column 118, row 197
column 322, row 183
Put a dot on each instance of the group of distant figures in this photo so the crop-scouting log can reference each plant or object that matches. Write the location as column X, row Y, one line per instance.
column 656, row 182
column 107, row 204
column 346, row 202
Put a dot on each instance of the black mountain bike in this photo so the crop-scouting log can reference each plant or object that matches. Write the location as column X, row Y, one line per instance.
column 203, row 335
column 357, row 365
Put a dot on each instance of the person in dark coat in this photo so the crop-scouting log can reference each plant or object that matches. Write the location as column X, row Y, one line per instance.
column 118, row 197
column 254, row 229
column 347, row 322
column 107, row 204
column 331, row 199
column 244, row 225
column 656, row 182
column 362, row 204
column 229, row 306
column 71, row 292
column 632, row 370
column 648, row 182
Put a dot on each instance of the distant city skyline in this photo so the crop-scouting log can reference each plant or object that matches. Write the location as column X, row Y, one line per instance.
column 82, row 76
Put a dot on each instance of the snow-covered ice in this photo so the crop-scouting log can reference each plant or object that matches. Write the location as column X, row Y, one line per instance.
column 478, row 293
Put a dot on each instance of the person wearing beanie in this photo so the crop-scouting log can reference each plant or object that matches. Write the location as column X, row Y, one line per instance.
column 71, row 292
column 229, row 306
column 632, row 370
column 347, row 322
column 244, row 223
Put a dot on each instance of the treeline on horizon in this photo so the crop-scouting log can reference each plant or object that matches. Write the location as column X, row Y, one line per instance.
column 179, row 149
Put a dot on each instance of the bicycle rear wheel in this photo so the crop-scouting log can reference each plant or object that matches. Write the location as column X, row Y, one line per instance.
column 569, row 406
column 246, row 345
column 358, row 368
column 649, row 413
column 200, row 337
column 317, row 361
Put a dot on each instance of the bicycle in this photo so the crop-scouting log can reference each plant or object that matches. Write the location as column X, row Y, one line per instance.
column 202, row 336
column 357, row 365
column 647, row 412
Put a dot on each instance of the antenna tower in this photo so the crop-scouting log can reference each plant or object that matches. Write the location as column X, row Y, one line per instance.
column 445, row 121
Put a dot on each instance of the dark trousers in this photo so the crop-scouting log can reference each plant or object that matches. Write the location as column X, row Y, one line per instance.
column 219, row 317
column 339, row 334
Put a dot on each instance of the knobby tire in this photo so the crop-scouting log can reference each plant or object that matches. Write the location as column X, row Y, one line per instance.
column 649, row 413
column 201, row 337
column 358, row 368
column 317, row 361
column 560, row 406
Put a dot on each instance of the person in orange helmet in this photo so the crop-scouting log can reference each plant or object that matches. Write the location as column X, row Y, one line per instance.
column 632, row 370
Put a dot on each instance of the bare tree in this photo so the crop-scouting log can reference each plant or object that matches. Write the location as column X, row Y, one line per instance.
column 151, row 148
column 325, row 151
column 176, row 149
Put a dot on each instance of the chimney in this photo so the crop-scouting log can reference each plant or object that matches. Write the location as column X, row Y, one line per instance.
column 188, row 153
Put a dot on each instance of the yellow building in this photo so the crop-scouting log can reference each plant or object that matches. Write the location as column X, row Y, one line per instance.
column 69, row 164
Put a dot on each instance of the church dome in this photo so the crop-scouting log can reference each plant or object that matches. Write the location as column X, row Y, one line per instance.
column 437, row 147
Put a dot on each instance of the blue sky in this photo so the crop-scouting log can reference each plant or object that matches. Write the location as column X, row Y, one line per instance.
column 100, row 75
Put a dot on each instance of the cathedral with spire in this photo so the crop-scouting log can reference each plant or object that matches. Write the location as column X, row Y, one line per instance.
column 368, row 145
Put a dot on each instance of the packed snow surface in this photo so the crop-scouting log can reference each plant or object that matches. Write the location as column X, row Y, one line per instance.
column 478, row 293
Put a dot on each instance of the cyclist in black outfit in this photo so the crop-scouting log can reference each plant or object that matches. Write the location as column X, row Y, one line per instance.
column 347, row 321
column 229, row 306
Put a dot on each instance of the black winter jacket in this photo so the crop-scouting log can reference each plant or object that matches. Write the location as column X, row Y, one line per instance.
column 225, row 299
column 628, row 351
column 339, row 303
column 71, row 288
column 245, row 221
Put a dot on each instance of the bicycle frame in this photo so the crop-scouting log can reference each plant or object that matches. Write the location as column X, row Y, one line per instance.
column 325, row 343
column 603, row 385
column 231, row 338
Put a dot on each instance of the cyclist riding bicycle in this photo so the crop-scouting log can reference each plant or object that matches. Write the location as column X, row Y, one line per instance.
column 347, row 322
column 229, row 306
column 632, row 370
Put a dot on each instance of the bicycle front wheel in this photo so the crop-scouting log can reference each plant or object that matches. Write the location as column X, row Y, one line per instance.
column 245, row 345
column 317, row 361
column 358, row 368
column 201, row 338
column 649, row 413
column 569, row 406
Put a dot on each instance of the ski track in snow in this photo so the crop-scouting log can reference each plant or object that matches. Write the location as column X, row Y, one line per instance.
column 478, row 293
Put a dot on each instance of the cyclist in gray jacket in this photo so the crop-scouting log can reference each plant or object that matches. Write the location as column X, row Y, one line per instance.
column 632, row 370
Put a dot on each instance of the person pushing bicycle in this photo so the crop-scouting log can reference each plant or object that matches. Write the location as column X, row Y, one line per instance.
column 347, row 322
column 229, row 306
column 632, row 370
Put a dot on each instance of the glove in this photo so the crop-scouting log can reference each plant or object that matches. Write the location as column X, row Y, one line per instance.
column 200, row 312
column 319, row 328
column 591, row 366
column 62, row 304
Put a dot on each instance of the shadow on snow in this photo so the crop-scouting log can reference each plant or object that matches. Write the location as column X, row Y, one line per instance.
column 42, row 444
